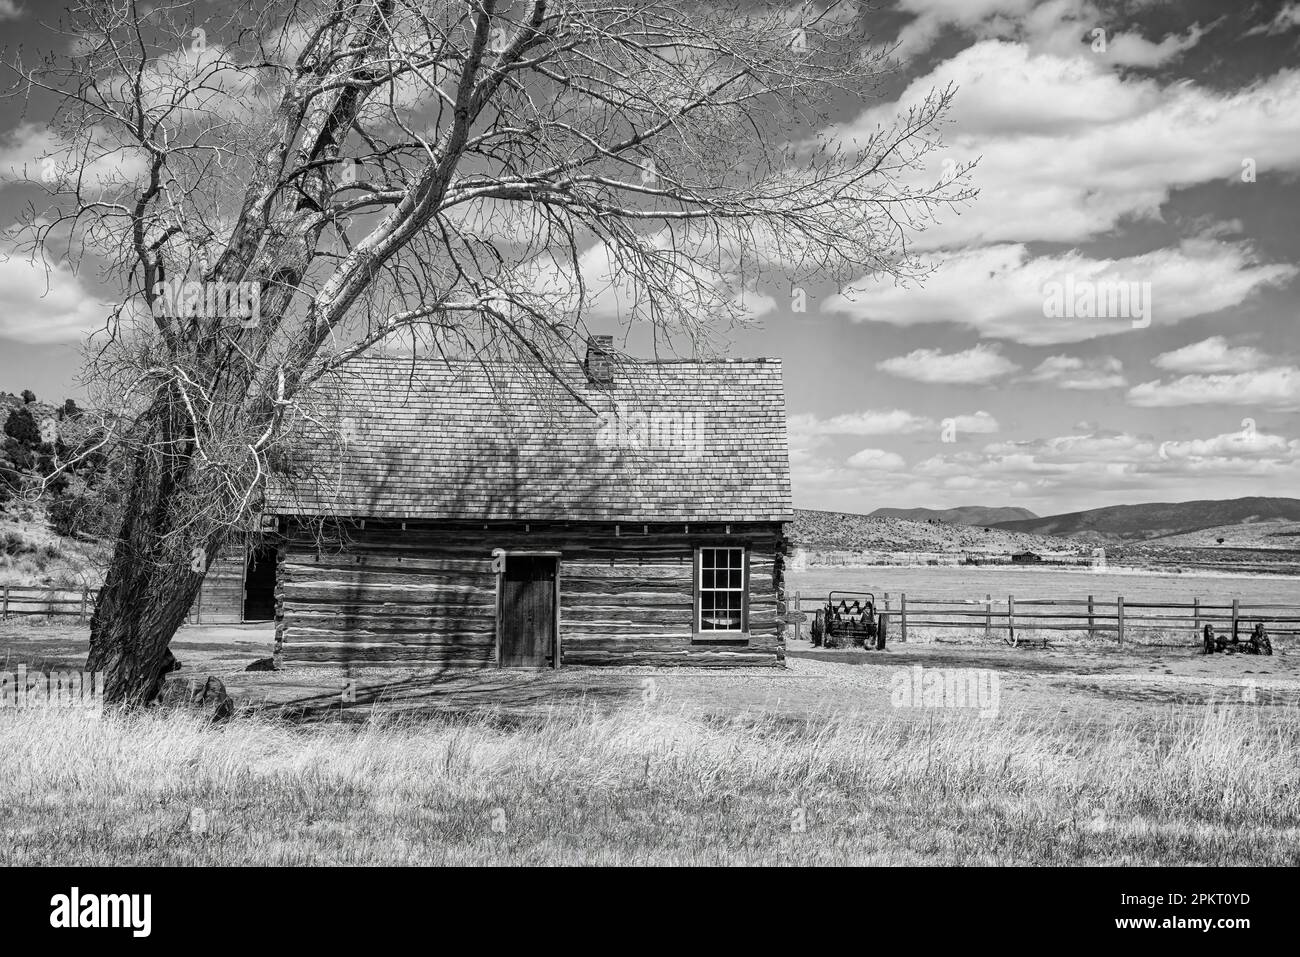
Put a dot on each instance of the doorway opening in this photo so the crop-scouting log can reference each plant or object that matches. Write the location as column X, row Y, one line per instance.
column 259, row 584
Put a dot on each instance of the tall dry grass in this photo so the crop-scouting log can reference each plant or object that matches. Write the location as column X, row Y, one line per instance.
column 646, row 786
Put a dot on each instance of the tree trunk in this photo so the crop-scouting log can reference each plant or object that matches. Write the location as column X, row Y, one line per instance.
column 160, row 558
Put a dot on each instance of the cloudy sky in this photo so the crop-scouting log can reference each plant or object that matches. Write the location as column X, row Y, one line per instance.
column 1169, row 157
column 1148, row 145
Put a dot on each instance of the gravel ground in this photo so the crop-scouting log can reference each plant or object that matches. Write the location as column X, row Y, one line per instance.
column 1100, row 685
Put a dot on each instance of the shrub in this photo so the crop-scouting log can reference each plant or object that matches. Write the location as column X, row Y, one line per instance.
column 87, row 508
column 21, row 427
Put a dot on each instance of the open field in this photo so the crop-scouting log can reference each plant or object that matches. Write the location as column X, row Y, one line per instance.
column 1027, row 582
column 1089, row 756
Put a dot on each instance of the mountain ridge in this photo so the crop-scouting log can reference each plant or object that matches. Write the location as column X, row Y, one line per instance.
column 1155, row 520
column 959, row 515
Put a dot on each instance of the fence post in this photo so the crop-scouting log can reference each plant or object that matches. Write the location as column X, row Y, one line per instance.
column 902, row 616
column 1011, row 618
column 85, row 594
column 1236, row 616
column 4, row 613
column 1196, row 618
column 798, row 619
column 988, row 615
column 1091, row 623
column 1119, row 617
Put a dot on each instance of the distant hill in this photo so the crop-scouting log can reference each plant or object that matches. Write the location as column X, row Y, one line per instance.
column 71, row 430
column 962, row 515
column 847, row 531
column 1118, row 523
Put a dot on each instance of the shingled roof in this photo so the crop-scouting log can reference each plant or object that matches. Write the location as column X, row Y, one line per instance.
column 667, row 441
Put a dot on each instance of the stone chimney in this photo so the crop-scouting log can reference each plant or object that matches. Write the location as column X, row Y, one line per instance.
column 600, row 360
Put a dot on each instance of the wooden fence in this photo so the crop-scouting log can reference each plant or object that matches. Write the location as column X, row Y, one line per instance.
column 1117, row 619
column 49, row 602
column 1006, row 618
column 16, row 601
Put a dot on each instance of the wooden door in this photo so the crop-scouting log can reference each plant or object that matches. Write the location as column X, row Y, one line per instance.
column 527, row 613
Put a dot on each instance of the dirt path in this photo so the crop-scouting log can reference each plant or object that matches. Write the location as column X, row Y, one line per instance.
column 1099, row 687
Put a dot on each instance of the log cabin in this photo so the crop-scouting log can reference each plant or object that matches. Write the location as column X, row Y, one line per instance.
column 608, row 511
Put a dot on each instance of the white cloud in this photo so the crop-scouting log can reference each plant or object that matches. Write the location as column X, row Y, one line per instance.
column 868, row 422
column 1113, row 461
column 931, row 17
column 32, row 153
column 9, row 10
column 1248, row 443
column 1288, row 18
column 1069, row 372
column 809, row 434
column 977, row 365
column 877, row 460
column 700, row 281
column 36, row 307
column 1063, row 27
column 1056, row 473
column 981, row 423
column 1211, row 355
column 1132, row 49
column 1277, row 388
column 998, row 291
column 1069, row 149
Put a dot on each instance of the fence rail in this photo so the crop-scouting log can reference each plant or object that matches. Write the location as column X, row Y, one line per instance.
column 16, row 600
column 1118, row 617
column 1115, row 618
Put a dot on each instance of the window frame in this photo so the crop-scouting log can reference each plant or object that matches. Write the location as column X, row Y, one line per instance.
column 719, row 635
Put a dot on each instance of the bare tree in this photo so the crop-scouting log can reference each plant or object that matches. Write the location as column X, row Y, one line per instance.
column 272, row 192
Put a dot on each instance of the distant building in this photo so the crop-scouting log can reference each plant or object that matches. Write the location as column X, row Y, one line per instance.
column 1025, row 558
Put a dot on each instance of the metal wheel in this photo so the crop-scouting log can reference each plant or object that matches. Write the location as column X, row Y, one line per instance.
column 1259, row 641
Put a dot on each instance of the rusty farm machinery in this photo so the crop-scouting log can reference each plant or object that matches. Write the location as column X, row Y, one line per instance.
column 1257, row 643
column 849, row 619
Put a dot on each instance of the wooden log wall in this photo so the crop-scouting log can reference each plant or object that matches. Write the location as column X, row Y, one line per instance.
column 426, row 593
column 221, row 596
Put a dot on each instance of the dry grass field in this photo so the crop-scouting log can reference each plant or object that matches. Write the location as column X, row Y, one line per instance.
column 1091, row 757
column 649, row 786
